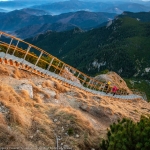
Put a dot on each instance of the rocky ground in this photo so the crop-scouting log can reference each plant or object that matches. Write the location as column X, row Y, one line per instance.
column 114, row 79
column 38, row 112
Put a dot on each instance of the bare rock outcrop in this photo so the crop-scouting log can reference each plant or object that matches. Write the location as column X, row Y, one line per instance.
column 26, row 87
column 67, row 74
column 115, row 79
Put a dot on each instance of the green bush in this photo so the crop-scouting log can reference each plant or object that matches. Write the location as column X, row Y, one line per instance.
column 70, row 131
column 127, row 135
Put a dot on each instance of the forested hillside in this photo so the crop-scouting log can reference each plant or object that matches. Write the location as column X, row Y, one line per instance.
column 121, row 46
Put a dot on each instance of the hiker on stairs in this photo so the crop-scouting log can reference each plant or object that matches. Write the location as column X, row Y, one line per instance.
column 114, row 90
column 107, row 87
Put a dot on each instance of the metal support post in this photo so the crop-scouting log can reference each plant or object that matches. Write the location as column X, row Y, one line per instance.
column 8, row 47
column 95, row 84
column 92, row 83
column 100, row 87
column 78, row 75
column 89, row 83
column 28, row 49
column 56, row 66
column 84, row 80
column 38, row 59
column 15, row 48
column 73, row 72
column 119, row 92
column 49, row 65
column 61, row 69
column 104, row 87
column 68, row 69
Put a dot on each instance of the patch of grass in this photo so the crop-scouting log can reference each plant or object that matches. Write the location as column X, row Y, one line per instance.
column 140, row 85
column 70, row 131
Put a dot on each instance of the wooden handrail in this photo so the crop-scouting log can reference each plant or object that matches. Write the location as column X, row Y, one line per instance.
column 94, row 84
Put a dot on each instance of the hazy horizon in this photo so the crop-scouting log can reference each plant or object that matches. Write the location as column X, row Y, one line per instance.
column 10, row 5
column 75, row 0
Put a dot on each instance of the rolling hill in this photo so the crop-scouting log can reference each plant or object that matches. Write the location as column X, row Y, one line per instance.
column 72, row 6
column 99, row 6
column 33, row 30
column 19, row 19
column 35, row 12
column 121, row 46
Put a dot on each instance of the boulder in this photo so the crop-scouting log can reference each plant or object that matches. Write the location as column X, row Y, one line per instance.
column 68, row 75
column 27, row 87
column 115, row 79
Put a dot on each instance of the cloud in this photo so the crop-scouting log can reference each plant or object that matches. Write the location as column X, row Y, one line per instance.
column 5, row 0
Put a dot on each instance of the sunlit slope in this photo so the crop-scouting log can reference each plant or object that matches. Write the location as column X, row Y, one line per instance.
column 38, row 112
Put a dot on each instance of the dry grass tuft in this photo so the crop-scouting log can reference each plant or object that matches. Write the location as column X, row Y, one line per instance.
column 35, row 88
column 16, row 73
column 38, row 99
column 79, row 95
column 6, row 135
column 46, row 95
column 2, row 119
column 61, row 88
column 18, row 116
column 57, row 96
column 10, row 138
column 3, row 70
column 82, row 94
column 75, row 123
column 47, row 83
column 14, row 76
column 25, row 94
column 9, row 96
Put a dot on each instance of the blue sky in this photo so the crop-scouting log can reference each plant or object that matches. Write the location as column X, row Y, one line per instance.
column 63, row 0
column 79, row 0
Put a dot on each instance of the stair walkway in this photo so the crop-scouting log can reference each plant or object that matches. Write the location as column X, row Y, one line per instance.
column 88, row 84
column 25, row 65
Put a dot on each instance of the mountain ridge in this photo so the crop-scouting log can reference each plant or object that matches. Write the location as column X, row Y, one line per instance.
column 33, row 30
column 65, row 6
column 19, row 19
column 92, row 51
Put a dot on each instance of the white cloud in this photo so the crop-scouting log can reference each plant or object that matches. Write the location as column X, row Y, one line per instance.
column 5, row 0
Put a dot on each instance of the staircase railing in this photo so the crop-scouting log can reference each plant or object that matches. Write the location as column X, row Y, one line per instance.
column 40, row 58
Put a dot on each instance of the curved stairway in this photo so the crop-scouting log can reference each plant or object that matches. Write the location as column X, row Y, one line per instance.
column 46, row 65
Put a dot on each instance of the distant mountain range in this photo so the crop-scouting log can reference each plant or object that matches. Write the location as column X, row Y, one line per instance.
column 110, row 7
column 35, row 12
column 132, row 7
column 23, row 21
column 39, row 18
column 3, row 10
column 33, row 30
column 72, row 6
column 56, row 7
column 121, row 46
column 10, row 5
